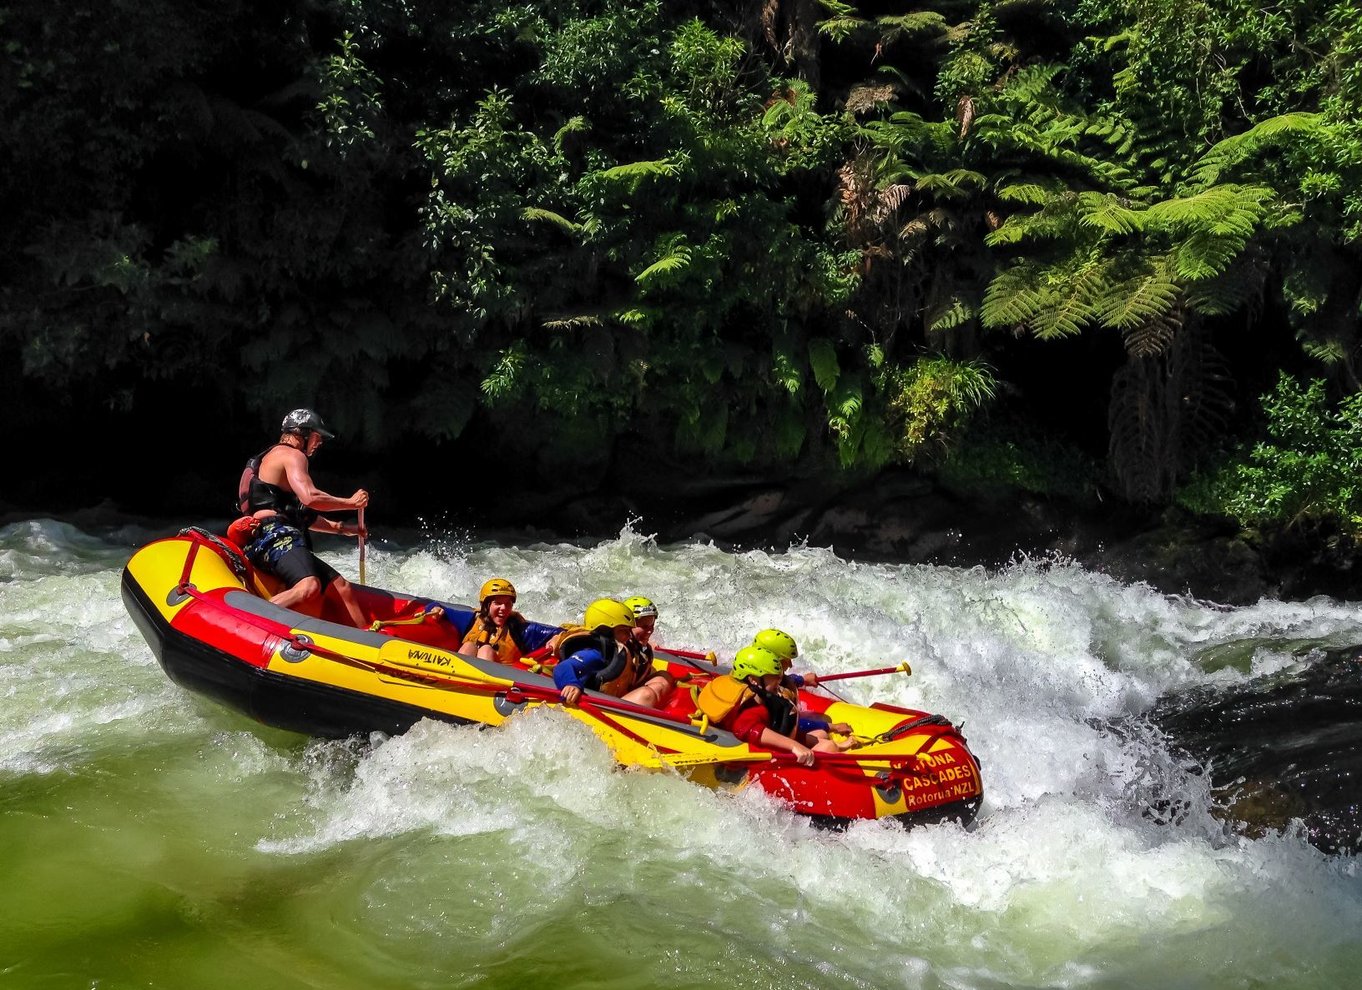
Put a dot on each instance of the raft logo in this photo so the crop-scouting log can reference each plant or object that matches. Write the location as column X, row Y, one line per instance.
column 430, row 658
column 966, row 789
column 945, row 775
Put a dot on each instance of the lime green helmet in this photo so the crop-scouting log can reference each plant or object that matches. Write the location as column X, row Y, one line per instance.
column 755, row 661
column 782, row 644
column 643, row 607
column 608, row 612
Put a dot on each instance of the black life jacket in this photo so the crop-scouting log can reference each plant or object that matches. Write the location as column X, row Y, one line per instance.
column 252, row 495
column 783, row 714
column 620, row 673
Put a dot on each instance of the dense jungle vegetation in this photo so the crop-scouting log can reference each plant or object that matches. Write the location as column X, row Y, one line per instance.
column 1066, row 244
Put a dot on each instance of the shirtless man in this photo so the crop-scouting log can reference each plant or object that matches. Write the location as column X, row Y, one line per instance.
column 277, row 491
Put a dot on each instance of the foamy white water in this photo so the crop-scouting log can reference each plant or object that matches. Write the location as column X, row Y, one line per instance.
column 522, row 855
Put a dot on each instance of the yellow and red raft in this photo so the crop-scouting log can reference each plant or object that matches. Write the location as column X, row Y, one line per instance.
column 207, row 616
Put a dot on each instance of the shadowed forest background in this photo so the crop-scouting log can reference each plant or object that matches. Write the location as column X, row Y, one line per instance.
column 1087, row 249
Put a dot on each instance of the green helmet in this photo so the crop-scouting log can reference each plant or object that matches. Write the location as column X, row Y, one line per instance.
column 782, row 644
column 608, row 612
column 643, row 607
column 754, row 661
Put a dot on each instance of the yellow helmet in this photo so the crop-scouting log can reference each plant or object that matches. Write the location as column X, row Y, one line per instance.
column 782, row 644
column 643, row 607
column 494, row 587
column 754, row 661
column 608, row 612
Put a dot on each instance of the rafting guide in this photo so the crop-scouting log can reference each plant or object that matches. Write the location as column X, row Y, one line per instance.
column 281, row 505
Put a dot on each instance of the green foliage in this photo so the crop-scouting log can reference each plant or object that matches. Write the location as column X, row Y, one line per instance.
column 932, row 398
column 350, row 96
column 994, row 460
column 1305, row 470
column 562, row 221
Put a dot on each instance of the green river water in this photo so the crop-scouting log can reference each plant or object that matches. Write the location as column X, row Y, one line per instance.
column 150, row 838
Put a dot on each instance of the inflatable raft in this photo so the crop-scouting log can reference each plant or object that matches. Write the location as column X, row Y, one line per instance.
column 207, row 617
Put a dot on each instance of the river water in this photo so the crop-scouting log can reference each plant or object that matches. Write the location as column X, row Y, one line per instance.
column 150, row 838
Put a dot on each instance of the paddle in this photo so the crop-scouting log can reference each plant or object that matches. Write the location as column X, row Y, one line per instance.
column 902, row 668
column 362, row 544
column 517, row 691
column 898, row 761
column 688, row 654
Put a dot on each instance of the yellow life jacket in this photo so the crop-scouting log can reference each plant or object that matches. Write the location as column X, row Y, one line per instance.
column 484, row 633
column 788, row 691
column 723, row 696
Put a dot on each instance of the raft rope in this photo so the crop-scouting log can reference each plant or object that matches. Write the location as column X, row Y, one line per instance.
column 378, row 625
column 236, row 560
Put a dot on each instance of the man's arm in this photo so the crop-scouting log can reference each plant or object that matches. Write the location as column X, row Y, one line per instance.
column 300, row 483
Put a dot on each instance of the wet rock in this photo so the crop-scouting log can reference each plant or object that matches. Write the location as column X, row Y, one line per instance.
column 1283, row 748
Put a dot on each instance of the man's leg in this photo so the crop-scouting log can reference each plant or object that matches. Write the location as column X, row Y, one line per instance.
column 305, row 597
column 347, row 597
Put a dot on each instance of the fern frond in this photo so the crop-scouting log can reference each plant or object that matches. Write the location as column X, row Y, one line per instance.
column 842, row 28
column 1013, row 297
column 1220, row 210
column 1105, row 212
column 636, row 317
column 1227, row 293
column 1204, row 256
column 785, row 368
column 1028, row 193
column 1233, row 150
column 956, row 183
column 677, row 258
column 949, row 314
column 573, row 322
column 557, row 219
column 915, row 25
column 1070, row 301
column 573, row 126
column 638, row 171
column 1152, row 337
column 1141, row 298
column 823, row 361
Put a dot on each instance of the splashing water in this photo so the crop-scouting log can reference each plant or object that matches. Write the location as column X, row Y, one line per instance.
column 150, row 837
